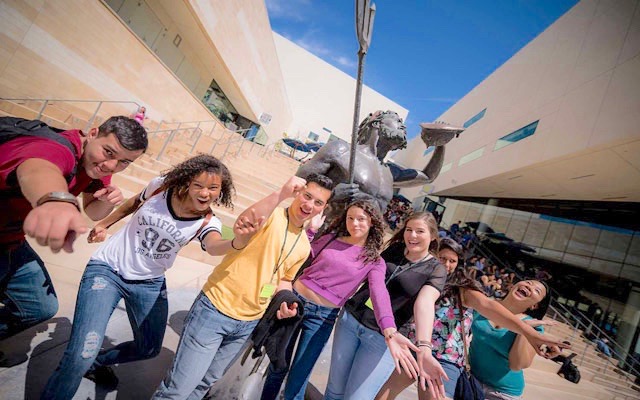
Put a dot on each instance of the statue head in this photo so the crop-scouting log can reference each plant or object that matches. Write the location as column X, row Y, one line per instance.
column 392, row 134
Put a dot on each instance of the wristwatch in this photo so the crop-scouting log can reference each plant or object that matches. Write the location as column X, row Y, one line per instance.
column 64, row 197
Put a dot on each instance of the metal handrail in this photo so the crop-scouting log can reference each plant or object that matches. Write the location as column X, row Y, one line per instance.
column 70, row 100
column 191, row 122
column 235, row 139
column 158, row 130
column 95, row 113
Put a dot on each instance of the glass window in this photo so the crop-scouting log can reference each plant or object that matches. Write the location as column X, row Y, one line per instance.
column 326, row 129
column 445, row 168
column 516, row 136
column 314, row 136
column 475, row 118
column 428, row 150
column 471, row 156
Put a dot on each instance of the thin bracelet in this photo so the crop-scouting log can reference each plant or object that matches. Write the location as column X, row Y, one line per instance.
column 392, row 334
column 425, row 343
column 234, row 247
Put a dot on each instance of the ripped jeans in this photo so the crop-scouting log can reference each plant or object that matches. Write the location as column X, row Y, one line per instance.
column 101, row 288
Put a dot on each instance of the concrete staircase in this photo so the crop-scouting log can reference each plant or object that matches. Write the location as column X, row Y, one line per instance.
column 596, row 370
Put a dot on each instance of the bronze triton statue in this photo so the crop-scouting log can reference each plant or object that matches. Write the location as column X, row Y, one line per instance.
column 378, row 134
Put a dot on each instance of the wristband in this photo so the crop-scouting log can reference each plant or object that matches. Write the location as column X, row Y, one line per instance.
column 63, row 197
column 234, row 247
column 425, row 343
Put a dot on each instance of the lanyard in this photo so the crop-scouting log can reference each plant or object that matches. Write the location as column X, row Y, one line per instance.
column 397, row 271
column 278, row 263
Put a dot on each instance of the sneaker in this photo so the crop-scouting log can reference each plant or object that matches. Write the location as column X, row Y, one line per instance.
column 103, row 376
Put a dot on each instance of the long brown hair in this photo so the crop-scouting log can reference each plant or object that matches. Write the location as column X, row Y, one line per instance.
column 371, row 250
column 432, row 225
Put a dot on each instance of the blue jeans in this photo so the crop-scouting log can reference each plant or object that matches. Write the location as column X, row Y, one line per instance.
column 360, row 361
column 315, row 329
column 101, row 288
column 26, row 290
column 209, row 343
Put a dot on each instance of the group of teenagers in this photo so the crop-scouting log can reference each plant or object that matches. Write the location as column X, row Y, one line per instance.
column 403, row 305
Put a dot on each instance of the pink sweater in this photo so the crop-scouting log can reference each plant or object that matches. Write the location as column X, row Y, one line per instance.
column 336, row 273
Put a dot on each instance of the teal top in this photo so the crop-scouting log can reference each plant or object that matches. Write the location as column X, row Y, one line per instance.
column 489, row 356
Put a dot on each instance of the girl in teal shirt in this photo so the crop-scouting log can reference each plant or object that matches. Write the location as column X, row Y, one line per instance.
column 497, row 355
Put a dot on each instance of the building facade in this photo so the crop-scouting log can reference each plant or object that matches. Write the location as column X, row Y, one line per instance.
column 551, row 154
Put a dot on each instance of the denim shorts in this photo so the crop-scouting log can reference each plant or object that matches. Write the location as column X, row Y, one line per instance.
column 493, row 394
column 453, row 371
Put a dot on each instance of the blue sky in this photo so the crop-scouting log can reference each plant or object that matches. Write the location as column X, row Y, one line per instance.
column 425, row 54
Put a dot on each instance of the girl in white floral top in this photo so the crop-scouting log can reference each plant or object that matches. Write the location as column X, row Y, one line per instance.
column 446, row 339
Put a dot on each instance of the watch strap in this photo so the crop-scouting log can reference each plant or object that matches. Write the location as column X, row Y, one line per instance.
column 63, row 197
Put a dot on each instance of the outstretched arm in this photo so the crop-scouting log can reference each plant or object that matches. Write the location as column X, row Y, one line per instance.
column 407, row 177
column 431, row 371
column 53, row 224
column 255, row 215
column 494, row 311
column 436, row 134
column 99, row 231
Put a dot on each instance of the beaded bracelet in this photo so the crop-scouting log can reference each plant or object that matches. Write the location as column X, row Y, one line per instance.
column 391, row 335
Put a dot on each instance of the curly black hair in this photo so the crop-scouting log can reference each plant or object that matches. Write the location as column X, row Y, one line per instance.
column 371, row 250
column 180, row 176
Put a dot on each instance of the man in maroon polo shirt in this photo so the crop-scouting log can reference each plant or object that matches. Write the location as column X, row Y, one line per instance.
column 37, row 200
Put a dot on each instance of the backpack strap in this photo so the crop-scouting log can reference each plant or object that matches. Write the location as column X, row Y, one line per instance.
column 310, row 259
column 465, row 346
column 207, row 218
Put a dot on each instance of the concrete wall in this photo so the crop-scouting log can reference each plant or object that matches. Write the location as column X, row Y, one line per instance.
column 82, row 50
column 581, row 79
column 241, row 36
column 322, row 96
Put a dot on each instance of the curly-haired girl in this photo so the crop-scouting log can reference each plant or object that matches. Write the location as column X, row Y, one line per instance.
column 340, row 261
column 360, row 360
column 176, row 209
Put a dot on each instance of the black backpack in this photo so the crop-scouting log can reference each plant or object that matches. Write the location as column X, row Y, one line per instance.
column 12, row 127
column 569, row 370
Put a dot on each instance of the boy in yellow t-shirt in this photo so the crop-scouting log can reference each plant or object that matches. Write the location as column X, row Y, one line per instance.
column 269, row 248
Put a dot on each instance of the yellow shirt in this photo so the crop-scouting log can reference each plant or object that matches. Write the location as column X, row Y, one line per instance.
column 234, row 285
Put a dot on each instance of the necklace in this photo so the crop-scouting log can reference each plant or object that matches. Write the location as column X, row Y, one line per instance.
column 418, row 261
column 284, row 242
column 399, row 270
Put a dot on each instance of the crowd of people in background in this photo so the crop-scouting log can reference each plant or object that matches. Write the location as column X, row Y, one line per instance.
column 397, row 212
